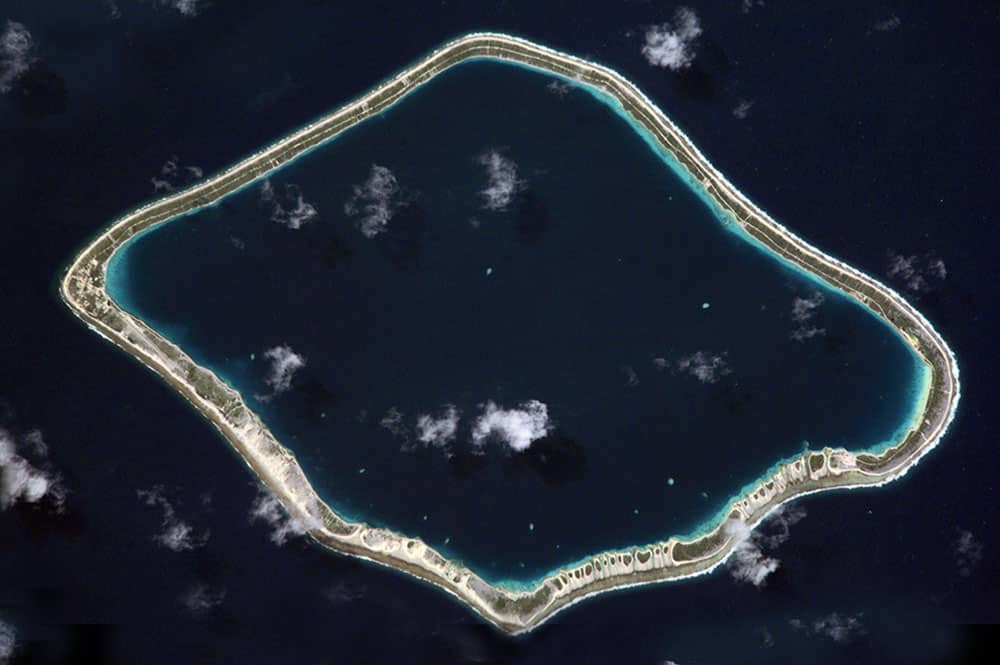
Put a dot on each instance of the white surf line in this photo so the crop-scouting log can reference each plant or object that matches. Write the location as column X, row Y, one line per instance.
column 83, row 288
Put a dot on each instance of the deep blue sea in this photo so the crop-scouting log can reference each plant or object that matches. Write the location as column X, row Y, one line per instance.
column 869, row 129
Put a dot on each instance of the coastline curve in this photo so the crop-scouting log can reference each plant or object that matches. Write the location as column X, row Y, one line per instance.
column 83, row 289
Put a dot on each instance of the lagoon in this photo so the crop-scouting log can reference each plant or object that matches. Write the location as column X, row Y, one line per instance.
column 587, row 293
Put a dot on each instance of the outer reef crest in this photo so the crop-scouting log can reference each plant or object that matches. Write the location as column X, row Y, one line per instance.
column 83, row 289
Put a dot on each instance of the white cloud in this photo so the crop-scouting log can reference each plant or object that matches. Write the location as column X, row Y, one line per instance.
column 267, row 508
column 284, row 364
column 704, row 366
column 937, row 268
column 803, row 313
column 36, row 442
column 201, row 599
column 185, row 7
column 835, row 626
column 518, row 428
column 742, row 109
column 748, row 562
column 8, row 642
column 889, row 24
column 438, row 432
column 915, row 272
column 15, row 54
column 393, row 422
column 20, row 480
column 342, row 592
column 748, row 5
column 175, row 534
column 502, row 183
column 752, row 559
column 968, row 552
column 905, row 268
column 290, row 208
column 560, row 88
column 671, row 45
column 375, row 201
column 172, row 176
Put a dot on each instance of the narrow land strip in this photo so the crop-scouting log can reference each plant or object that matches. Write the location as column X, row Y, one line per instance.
column 83, row 288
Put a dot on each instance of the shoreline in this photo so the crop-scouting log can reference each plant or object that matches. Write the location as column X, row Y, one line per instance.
column 83, row 288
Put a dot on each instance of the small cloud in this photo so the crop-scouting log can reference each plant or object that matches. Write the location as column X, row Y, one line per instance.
column 201, row 599
column 752, row 559
column 747, row 5
column 838, row 627
column 393, row 422
column 748, row 562
column 342, row 592
column 172, row 176
column 889, row 24
column 631, row 376
column 376, row 201
column 968, row 552
column 671, row 45
column 21, row 480
column 15, row 54
column 803, row 313
column 438, row 432
column 742, row 109
column 175, row 534
column 284, row 363
column 518, row 428
column 560, row 88
column 8, row 642
column 267, row 508
column 36, row 442
column 503, row 182
column 114, row 11
column 704, row 366
column 917, row 273
column 288, row 209
column 189, row 8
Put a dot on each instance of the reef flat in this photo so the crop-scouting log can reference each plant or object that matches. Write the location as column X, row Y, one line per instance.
column 83, row 288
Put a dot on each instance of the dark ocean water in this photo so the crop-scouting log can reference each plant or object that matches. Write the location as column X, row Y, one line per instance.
column 865, row 141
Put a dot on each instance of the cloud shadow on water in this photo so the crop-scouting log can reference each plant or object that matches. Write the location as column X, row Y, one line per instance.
column 404, row 239
column 557, row 459
column 40, row 92
column 533, row 218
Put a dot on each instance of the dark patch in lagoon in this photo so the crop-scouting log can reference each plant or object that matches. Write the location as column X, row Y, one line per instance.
column 335, row 251
column 532, row 218
column 557, row 459
column 312, row 399
column 40, row 92
column 705, row 79
column 467, row 464
column 404, row 239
